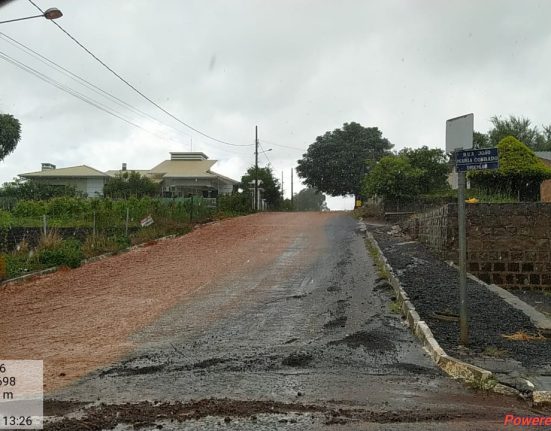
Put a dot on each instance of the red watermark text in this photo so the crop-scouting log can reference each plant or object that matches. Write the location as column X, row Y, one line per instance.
column 527, row 421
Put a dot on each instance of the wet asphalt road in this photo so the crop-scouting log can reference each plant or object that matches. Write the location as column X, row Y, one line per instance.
column 311, row 337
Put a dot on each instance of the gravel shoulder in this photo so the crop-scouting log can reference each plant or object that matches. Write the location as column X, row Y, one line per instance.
column 432, row 286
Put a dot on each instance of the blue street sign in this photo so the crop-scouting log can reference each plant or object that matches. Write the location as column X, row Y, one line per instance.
column 469, row 160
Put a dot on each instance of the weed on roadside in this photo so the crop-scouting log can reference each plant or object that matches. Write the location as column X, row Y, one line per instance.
column 524, row 336
column 49, row 240
column 377, row 259
column 483, row 385
column 395, row 307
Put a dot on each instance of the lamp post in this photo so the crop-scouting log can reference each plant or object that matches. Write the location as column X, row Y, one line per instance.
column 51, row 13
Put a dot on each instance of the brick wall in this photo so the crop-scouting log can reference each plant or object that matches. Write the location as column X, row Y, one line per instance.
column 545, row 191
column 507, row 244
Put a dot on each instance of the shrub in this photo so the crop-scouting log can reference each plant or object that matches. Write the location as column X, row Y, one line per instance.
column 5, row 218
column 520, row 172
column 67, row 207
column 66, row 253
column 30, row 208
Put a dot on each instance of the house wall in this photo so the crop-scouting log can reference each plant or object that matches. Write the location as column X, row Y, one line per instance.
column 507, row 244
column 200, row 184
column 94, row 187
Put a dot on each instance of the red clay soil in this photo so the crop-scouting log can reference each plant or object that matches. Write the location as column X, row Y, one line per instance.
column 80, row 320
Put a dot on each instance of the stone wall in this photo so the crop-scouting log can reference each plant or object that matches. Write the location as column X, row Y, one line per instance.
column 507, row 244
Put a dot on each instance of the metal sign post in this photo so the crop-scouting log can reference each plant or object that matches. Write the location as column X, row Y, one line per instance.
column 459, row 135
column 459, row 141
column 463, row 315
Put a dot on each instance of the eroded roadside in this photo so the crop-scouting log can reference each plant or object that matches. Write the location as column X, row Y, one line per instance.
column 80, row 320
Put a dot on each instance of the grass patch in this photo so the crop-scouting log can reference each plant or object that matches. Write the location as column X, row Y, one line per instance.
column 395, row 307
column 523, row 336
column 483, row 385
column 374, row 252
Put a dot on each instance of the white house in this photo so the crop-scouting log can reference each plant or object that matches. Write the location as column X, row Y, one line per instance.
column 190, row 173
column 183, row 175
column 84, row 178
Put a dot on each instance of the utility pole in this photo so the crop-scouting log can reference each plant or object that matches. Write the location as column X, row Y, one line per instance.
column 282, row 194
column 292, row 197
column 256, row 169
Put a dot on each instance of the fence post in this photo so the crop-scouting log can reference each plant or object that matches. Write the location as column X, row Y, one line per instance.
column 44, row 225
column 127, row 220
column 94, row 225
column 191, row 210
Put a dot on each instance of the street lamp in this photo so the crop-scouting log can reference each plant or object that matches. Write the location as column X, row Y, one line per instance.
column 51, row 13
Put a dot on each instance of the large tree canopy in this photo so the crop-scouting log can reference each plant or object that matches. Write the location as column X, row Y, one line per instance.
column 393, row 179
column 433, row 164
column 337, row 161
column 411, row 172
column 10, row 134
column 518, row 127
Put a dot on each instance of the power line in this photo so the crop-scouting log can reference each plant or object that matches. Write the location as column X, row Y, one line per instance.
column 79, row 79
column 52, row 64
column 75, row 93
column 282, row 146
column 264, row 152
column 135, row 89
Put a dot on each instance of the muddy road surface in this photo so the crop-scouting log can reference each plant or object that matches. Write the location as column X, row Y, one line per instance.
column 272, row 321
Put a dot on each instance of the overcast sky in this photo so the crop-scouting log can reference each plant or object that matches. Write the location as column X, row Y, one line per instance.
column 295, row 68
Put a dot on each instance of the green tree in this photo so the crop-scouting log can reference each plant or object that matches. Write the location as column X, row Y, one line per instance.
column 10, row 134
column 130, row 183
column 520, row 172
column 433, row 164
column 337, row 162
column 522, row 129
column 393, row 178
column 480, row 140
column 310, row 199
column 270, row 185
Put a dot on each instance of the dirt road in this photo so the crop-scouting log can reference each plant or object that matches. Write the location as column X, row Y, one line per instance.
column 272, row 321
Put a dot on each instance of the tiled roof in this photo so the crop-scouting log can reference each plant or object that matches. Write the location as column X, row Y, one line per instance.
column 72, row 171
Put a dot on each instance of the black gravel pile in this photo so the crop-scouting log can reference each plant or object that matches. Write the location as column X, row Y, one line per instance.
column 432, row 286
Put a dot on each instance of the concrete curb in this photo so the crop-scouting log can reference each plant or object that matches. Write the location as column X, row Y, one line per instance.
column 30, row 275
column 455, row 368
column 540, row 320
